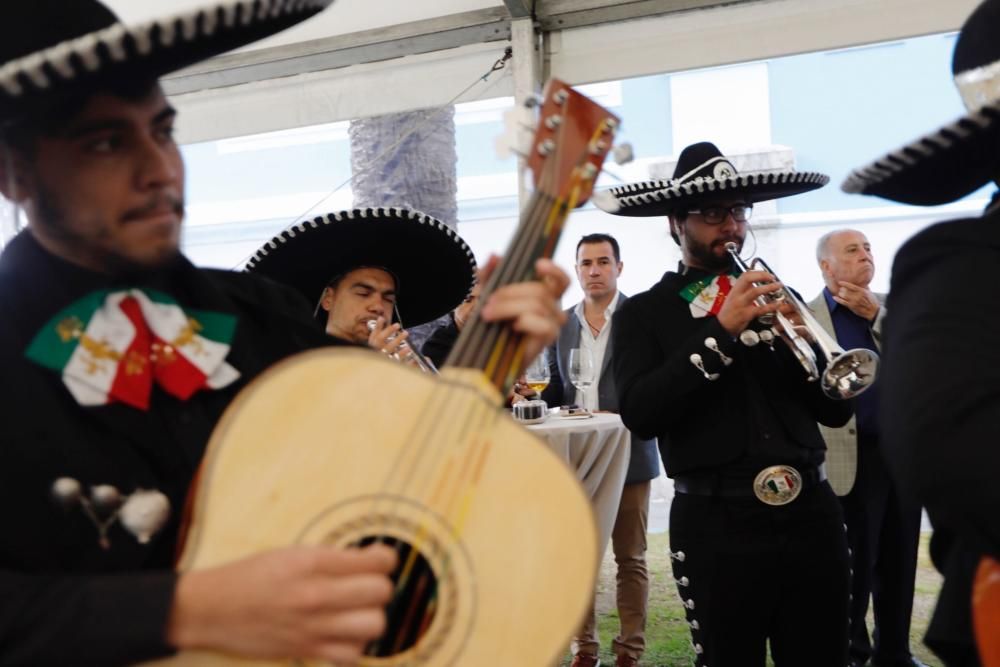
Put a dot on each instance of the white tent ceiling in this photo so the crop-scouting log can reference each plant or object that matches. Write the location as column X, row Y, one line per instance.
column 367, row 57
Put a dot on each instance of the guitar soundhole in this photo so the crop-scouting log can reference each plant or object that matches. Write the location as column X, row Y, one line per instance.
column 412, row 609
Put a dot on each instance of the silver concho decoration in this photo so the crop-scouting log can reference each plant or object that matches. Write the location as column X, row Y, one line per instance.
column 143, row 513
column 777, row 485
column 723, row 170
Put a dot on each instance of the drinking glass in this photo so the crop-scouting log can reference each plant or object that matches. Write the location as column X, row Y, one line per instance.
column 581, row 368
column 536, row 375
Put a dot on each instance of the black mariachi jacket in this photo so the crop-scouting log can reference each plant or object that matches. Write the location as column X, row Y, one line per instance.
column 940, row 411
column 760, row 411
column 64, row 599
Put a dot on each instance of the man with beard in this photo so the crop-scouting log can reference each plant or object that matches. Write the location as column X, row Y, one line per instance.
column 757, row 540
column 120, row 357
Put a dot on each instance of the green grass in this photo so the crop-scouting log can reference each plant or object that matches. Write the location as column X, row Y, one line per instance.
column 668, row 639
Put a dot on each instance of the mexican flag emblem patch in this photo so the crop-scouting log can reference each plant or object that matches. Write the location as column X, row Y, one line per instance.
column 706, row 296
column 111, row 346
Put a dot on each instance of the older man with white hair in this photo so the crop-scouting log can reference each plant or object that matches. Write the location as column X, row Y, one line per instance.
column 883, row 528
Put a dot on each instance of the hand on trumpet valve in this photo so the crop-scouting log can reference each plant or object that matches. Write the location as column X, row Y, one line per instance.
column 389, row 339
column 748, row 301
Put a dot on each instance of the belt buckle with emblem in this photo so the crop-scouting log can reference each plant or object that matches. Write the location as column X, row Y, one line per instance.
column 777, row 485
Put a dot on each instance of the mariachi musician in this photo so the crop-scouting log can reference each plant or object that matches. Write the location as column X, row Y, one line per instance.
column 757, row 539
column 120, row 356
column 371, row 272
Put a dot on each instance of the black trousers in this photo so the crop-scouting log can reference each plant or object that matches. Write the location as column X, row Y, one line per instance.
column 883, row 531
column 749, row 573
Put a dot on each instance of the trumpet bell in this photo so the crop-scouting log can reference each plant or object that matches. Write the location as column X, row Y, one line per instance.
column 850, row 373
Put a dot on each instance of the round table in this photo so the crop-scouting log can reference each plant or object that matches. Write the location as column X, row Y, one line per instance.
column 597, row 450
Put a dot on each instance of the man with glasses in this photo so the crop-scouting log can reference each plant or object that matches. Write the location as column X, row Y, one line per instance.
column 757, row 540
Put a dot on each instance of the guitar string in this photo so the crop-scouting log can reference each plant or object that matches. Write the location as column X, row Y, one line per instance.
column 467, row 430
column 427, row 423
column 464, row 486
column 477, row 419
column 554, row 224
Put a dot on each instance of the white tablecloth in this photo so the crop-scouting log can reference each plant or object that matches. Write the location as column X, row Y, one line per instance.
column 597, row 449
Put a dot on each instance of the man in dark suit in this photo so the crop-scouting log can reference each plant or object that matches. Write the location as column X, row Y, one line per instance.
column 883, row 526
column 941, row 367
column 589, row 327
column 757, row 540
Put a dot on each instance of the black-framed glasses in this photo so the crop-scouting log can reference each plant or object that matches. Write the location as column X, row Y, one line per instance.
column 716, row 215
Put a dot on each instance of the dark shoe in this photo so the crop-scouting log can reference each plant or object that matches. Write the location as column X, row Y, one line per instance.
column 583, row 660
column 626, row 661
column 857, row 662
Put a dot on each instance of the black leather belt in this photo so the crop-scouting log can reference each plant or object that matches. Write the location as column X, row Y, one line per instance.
column 736, row 487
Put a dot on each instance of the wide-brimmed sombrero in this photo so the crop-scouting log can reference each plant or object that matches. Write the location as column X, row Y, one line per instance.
column 434, row 268
column 702, row 173
column 962, row 156
column 53, row 49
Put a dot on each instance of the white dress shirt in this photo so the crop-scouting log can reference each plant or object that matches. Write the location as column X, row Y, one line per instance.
column 598, row 346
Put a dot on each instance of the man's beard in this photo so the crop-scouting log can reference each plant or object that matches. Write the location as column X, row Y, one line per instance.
column 52, row 215
column 704, row 255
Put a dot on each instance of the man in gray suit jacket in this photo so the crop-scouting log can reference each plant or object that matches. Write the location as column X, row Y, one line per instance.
column 598, row 265
column 883, row 529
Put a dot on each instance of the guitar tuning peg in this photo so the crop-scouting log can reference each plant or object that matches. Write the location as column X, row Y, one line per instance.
column 519, row 128
column 533, row 101
column 605, row 201
column 623, row 154
column 516, row 142
column 517, row 117
column 502, row 147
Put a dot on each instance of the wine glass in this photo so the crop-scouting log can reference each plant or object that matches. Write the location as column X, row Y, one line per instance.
column 536, row 375
column 581, row 368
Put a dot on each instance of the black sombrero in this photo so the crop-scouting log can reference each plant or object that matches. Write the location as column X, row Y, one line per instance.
column 703, row 172
column 433, row 266
column 51, row 49
column 962, row 156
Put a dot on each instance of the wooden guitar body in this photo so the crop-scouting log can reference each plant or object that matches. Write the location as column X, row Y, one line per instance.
column 431, row 461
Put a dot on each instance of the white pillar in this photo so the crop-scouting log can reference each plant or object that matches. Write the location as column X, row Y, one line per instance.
column 527, row 79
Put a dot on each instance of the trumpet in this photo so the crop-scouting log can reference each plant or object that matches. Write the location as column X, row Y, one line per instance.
column 408, row 354
column 848, row 372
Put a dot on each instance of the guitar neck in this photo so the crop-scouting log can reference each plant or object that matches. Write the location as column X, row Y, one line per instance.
column 494, row 347
column 572, row 138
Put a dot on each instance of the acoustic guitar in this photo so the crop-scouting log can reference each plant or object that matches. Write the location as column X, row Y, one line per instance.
column 497, row 541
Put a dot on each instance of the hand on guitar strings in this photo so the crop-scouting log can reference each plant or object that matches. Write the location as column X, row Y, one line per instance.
column 533, row 307
column 315, row 602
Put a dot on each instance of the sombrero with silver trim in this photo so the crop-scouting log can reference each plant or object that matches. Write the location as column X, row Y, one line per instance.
column 51, row 49
column 703, row 172
column 962, row 156
column 433, row 266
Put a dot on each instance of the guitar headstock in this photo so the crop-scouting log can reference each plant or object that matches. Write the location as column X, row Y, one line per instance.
column 573, row 137
column 566, row 146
